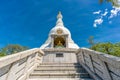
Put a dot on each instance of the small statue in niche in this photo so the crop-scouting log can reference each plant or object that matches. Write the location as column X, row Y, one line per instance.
column 59, row 44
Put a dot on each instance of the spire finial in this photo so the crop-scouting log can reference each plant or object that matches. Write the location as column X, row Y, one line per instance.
column 59, row 15
column 59, row 21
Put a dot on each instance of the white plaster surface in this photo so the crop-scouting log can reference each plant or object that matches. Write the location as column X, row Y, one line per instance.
column 59, row 25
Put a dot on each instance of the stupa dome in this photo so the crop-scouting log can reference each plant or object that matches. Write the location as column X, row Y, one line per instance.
column 59, row 33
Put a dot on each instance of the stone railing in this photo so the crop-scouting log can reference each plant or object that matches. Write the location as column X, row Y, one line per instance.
column 99, row 65
column 18, row 66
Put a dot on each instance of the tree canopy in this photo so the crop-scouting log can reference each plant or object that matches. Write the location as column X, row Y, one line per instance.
column 11, row 49
column 115, row 3
column 108, row 47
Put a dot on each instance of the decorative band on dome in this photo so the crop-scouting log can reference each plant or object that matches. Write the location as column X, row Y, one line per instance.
column 59, row 31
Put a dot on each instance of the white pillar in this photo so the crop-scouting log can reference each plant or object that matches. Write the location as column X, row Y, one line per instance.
column 52, row 41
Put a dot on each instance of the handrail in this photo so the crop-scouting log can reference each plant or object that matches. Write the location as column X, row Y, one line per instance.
column 100, row 66
column 17, row 56
column 18, row 66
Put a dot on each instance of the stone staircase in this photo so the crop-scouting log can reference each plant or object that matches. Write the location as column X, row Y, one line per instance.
column 59, row 71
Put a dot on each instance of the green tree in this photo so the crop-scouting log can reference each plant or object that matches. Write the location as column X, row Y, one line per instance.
column 11, row 49
column 2, row 54
column 115, row 3
column 109, row 48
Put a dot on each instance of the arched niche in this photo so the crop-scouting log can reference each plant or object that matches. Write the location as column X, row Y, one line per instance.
column 59, row 42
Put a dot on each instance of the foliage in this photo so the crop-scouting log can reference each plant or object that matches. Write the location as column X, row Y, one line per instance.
column 109, row 48
column 2, row 54
column 11, row 49
column 115, row 3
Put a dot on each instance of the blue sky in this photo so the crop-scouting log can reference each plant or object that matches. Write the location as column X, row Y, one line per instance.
column 28, row 22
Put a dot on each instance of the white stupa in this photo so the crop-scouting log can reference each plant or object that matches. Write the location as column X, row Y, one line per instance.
column 59, row 36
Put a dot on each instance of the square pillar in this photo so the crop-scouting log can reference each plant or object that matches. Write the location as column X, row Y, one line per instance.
column 52, row 41
column 66, row 41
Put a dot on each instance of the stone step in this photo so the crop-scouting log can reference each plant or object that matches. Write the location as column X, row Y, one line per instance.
column 43, row 68
column 61, row 79
column 64, row 64
column 59, row 63
column 59, row 75
column 59, row 70
column 53, row 68
column 60, row 66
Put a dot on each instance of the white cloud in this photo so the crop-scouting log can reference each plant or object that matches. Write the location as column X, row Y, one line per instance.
column 114, row 12
column 105, row 13
column 98, row 22
column 97, row 12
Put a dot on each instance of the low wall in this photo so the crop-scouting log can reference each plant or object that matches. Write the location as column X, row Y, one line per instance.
column 67, row 55
column 99, row 65
column 18, row 66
